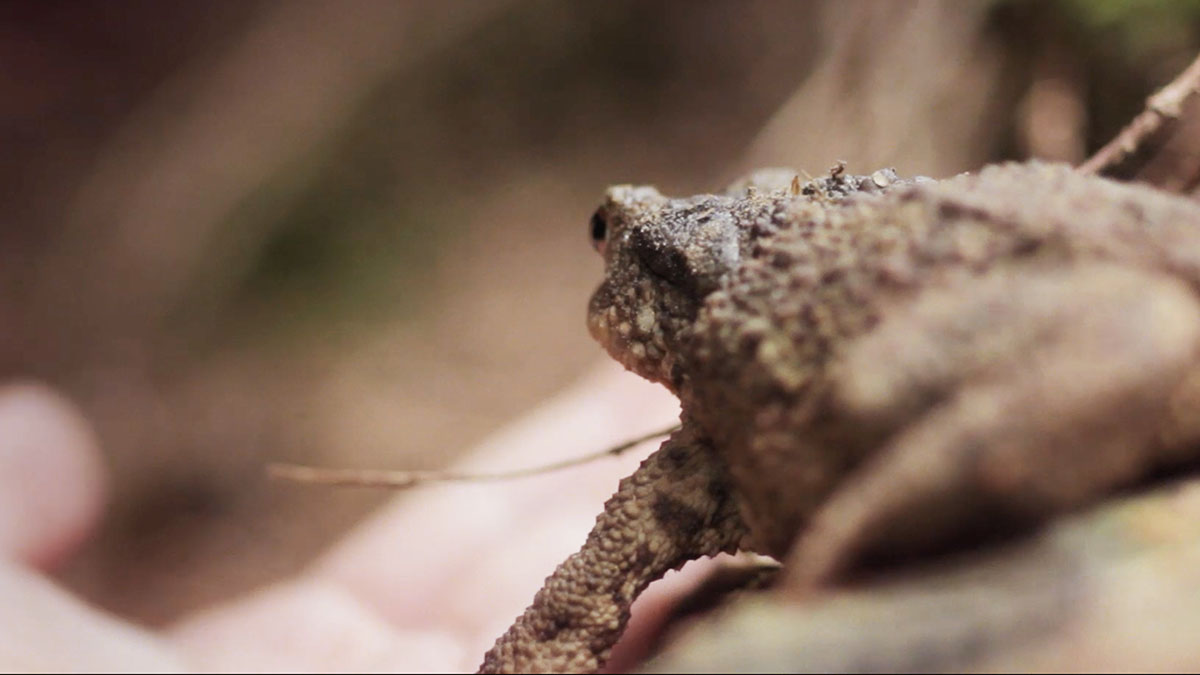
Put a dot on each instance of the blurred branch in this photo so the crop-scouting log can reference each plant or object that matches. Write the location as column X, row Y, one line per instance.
column 1052, row 115
column 904, row 84
column 400, row 480
column 239, row 126
column 1149, row 134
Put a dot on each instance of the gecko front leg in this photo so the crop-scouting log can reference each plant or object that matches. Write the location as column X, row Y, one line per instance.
column 676, row 507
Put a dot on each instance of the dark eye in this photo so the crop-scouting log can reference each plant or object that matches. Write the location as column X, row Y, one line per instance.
column 599, row 226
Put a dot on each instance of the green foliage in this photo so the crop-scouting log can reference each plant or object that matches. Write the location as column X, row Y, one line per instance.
column 1142, row 26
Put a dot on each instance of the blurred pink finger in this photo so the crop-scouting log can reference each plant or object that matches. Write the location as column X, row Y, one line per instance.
column 51, row 479
column 470, row 557
column 45, row 629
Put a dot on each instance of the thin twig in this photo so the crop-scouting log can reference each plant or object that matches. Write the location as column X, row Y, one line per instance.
column 407, row 479
column 1148, row 128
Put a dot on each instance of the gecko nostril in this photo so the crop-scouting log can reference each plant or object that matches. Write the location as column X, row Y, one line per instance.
column 599, row 224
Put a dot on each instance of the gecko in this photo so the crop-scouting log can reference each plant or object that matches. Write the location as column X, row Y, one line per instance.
column 873, row 368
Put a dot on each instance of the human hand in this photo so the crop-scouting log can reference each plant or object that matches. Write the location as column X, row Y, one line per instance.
column 425, row 585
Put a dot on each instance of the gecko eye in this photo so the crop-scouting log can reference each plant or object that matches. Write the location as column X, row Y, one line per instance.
column 599, row 225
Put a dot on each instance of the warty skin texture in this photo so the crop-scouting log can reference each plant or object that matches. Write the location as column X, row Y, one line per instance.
column 876, row 366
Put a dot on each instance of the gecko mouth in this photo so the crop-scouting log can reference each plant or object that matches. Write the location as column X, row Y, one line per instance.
column 612, row 329
column 630, row 328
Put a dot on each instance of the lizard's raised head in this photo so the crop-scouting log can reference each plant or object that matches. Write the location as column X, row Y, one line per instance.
column 662, row 257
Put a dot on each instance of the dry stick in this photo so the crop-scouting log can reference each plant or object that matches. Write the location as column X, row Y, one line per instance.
column 407, row 479
column 1162, row 109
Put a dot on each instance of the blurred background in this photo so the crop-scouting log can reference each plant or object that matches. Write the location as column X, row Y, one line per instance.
column 353, row 233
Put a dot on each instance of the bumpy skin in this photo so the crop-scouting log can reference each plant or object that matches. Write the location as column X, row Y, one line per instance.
column 881, row 366
column 676, row 507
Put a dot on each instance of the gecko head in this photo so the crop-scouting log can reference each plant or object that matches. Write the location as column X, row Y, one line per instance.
column 662, row 257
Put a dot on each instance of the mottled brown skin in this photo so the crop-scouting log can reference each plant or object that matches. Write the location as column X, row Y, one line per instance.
column 874, row 366
column 674, row 508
